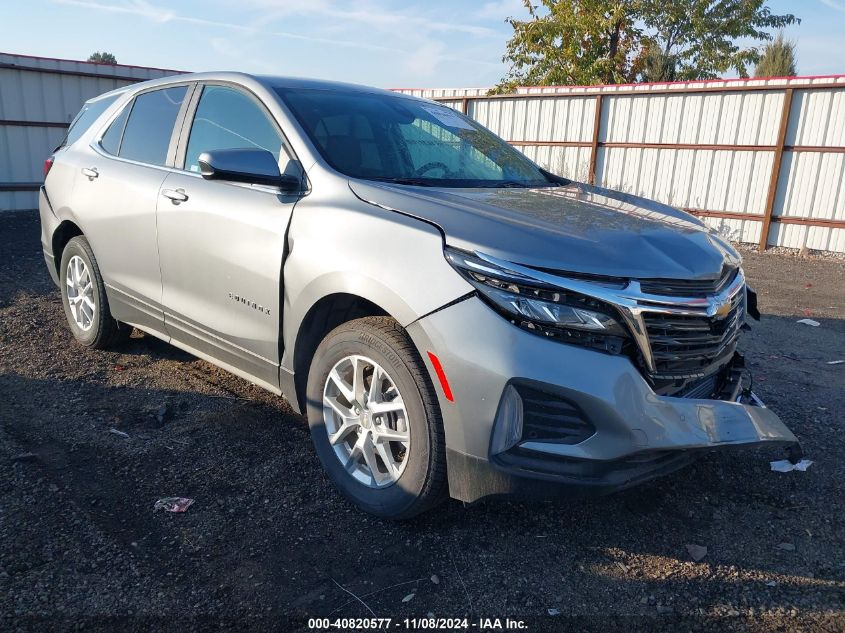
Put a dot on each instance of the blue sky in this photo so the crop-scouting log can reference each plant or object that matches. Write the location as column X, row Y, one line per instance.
column 388, row 43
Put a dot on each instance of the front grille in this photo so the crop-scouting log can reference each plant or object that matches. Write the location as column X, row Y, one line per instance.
column 688, row 346
column 689, row 287
column 551, row 418
column 702, row 388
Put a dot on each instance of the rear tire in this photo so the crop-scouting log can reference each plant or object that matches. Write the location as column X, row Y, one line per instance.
column 387, row 450
column 84, row 298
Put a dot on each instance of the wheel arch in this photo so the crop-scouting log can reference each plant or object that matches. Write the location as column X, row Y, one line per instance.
column 63, row 234
column 322, row 317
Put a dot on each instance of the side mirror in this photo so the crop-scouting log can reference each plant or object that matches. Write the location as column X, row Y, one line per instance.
column 253, row 166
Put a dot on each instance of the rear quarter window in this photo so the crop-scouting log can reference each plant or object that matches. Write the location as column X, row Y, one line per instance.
column 111, row 139
column 89, row 113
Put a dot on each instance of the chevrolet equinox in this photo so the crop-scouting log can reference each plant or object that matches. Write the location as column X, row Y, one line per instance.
column 450, row 317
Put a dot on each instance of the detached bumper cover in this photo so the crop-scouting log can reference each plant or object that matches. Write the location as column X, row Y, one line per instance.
column 638, row 434
column 528, row 462
column 473, row 478
column 542, row 470
column 681, row 424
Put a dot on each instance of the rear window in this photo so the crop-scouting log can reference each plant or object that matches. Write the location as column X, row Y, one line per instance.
column 150, row 125
column 89, row 113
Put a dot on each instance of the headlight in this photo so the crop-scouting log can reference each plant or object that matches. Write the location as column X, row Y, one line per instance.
column 544, row 309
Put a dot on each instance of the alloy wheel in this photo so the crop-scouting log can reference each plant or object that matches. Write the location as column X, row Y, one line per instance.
column 80, row 293
column 366, row 421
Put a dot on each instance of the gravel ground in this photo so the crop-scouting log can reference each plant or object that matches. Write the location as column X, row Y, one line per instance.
column 269, row 542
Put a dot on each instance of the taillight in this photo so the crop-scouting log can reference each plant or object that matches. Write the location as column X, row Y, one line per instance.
column 47, row 165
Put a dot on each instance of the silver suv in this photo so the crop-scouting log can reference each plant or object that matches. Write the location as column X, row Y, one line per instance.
column 449, row 316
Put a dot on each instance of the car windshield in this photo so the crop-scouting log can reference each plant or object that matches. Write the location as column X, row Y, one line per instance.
column 408, row 141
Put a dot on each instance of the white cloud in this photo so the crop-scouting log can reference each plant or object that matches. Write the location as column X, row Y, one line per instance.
column 132, row 7
column 373, row 14
column 425, row 40
column 421, row 43
column 502, row 9
column 833, row 4
column 225, row 48
column 424, row 61
column 146, row 10
column 160, row 14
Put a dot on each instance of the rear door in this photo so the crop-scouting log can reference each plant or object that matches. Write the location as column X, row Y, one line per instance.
column 221, row 244
column 115, row 197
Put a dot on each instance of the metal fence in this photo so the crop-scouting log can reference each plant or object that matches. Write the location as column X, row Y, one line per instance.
column 761, row 160
column 39, row 96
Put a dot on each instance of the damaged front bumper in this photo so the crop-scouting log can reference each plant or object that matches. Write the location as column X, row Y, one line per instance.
column 617, row 432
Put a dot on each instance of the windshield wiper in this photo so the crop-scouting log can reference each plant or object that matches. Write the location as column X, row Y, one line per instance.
column 508, row 184
column 514, row 184
column 404, row 181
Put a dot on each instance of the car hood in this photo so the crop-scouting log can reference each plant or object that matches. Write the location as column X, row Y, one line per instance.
column 575, row 227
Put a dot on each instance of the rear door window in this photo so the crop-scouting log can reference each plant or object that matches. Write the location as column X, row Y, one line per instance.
column 89, row 113
column 146, row 138
column 229, row 119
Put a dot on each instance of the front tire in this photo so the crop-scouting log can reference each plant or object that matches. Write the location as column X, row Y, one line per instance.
column 374, row 419
column 84, row 297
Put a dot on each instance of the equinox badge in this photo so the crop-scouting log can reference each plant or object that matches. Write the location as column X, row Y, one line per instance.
column 251, row 304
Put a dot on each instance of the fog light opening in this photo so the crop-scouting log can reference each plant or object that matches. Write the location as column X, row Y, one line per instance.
column 507, row 430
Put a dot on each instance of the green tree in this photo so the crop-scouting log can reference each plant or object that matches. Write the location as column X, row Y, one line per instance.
column 102, row 58
column 702, row 35
column 572, row 42
column 778, row 59
column 590, row 42
column 654, row 64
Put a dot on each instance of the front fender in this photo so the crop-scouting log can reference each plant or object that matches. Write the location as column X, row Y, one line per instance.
column 390, row 259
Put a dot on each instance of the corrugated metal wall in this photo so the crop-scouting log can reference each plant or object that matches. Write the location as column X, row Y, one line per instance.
column 746, row 155
column 729, row 151
column 39, row 96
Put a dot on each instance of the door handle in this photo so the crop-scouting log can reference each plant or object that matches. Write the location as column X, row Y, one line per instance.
column 91, row 172
column 176, row 195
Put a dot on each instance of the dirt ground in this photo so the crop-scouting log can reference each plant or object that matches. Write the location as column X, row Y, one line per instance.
column 268, row 541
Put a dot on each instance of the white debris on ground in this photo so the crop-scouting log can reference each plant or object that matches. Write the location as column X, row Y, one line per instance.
column 812, row 322
column 173, row 504
column 785, row 466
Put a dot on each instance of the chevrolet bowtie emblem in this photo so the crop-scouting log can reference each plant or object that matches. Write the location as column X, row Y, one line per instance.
column 723, row 310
